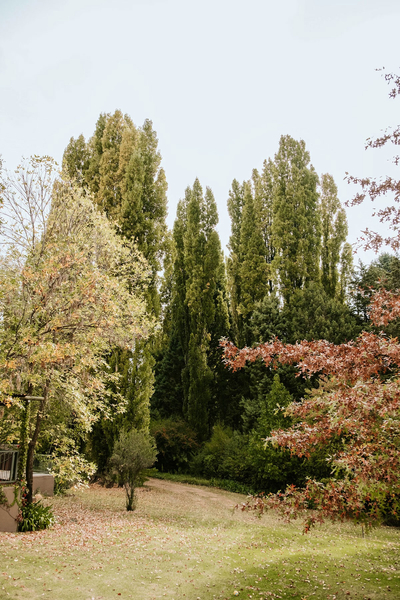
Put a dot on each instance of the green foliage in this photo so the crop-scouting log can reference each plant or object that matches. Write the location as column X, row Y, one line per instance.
column 121, row 166
column 71, row 470
column 69, row 286
column 270, row 468
column 3, row 497
column 199, row 314
column 134, row 451
column 334, row 232
column 10, row 424
column 234, row 260
column 210, row 461
column 223, row 456
column 135, row 384
column 176, row 444
column 246, row 459
column 253, row 269
column 272, row 414
column 60, row 448
column 168, row 388
column 311, row 314
column 288, row 268
column 250, row 274
column 384, row 272
column 296, row 220
column 35, row 517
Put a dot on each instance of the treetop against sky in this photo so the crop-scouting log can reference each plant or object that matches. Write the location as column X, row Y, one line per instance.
column 221, row 82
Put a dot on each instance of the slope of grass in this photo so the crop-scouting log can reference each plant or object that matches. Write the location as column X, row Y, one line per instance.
column 185, row 542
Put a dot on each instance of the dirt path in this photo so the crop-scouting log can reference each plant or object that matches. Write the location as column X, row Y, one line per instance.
column 193, row 494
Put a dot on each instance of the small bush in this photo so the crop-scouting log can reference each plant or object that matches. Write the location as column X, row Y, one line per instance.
column 35, row 516
column 223, row 456
column 134, row 452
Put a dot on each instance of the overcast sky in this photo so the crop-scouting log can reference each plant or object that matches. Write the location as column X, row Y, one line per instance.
column 221, row 80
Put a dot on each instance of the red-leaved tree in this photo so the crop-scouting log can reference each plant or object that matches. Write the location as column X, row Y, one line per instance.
column 355, row 412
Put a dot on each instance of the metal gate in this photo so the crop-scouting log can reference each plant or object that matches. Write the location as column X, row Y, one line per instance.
column 8, row 465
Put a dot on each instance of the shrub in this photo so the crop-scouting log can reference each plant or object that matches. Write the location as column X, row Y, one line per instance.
column 176, row 445
column 223, row 456
column 134, row 452
column 244, row 459
column 35, row 516
column 71, row 470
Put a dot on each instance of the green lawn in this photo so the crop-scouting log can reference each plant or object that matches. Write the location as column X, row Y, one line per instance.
column 185, row 542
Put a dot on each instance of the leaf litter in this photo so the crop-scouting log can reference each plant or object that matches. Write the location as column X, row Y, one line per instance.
column 180, row 545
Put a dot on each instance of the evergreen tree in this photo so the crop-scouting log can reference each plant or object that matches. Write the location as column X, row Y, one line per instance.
column 272, row 417
column 296, row 221
column 109, row 195
column 384, row 272
column 311, row 314
column 180, row 310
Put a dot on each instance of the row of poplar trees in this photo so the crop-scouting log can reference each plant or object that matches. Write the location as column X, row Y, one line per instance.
column 288, row 236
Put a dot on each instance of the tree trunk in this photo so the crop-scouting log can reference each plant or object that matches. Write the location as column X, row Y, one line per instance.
column 23, row 441
column 130, row 497
column 32, row 446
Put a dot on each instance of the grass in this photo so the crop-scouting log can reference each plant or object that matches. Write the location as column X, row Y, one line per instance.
column 185, row 542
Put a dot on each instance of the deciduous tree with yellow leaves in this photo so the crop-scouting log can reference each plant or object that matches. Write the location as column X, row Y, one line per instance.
column 70, row 288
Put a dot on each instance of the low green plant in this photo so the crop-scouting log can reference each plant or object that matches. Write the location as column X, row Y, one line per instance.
column 35, row 516
column 3, row 497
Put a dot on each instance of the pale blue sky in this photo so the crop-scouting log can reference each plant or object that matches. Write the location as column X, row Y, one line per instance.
column 220, row 80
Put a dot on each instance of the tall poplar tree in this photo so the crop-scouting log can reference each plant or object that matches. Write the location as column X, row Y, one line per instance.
column 121, row 166
column 234, row 260
column 199, row 307
column 253, row 269
column 250, row 275
column 334, row 233
column 296, row 221
column 264, row 195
